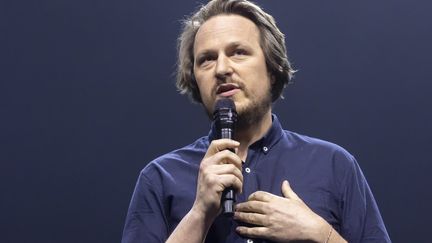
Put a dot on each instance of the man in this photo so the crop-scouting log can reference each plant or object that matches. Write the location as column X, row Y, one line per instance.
column 290, row 187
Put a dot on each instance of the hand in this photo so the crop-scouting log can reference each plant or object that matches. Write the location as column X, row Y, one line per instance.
column 219, row 169
column 280, row 219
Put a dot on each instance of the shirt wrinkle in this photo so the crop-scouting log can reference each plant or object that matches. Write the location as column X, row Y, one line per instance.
column 313, row 167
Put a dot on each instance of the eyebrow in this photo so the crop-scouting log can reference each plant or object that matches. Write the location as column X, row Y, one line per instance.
column 202, row 55
column 232, row 45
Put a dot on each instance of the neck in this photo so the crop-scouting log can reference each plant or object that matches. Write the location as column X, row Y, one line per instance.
column 248, row 135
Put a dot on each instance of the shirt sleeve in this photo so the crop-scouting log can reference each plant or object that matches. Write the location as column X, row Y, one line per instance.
column 361, row 219
column 145, row 220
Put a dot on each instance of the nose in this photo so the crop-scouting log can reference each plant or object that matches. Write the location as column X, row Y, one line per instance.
column 223, row 67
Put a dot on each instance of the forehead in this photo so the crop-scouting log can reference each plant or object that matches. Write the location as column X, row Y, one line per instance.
column 223, row 29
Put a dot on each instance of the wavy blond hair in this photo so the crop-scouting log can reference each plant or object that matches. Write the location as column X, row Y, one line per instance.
column 272, row 41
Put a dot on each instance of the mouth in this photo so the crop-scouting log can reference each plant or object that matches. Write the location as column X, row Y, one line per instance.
column 227, row 90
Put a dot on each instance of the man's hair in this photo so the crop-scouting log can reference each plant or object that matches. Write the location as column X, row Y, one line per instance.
column 272, row 42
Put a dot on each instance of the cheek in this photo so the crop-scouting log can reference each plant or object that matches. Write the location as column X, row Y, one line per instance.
column 205, row 93
column 204, row 90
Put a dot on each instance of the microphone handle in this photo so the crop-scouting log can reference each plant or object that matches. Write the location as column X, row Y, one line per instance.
column 228, row 195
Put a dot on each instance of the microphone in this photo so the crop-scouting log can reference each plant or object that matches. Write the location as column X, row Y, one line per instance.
column 225, row 118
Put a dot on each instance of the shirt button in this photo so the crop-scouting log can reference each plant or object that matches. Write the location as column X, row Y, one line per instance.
column 265, row 149
column 247, row 170
column 249, row 241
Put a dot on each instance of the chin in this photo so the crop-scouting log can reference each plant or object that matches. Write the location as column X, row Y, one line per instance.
column 241, row 105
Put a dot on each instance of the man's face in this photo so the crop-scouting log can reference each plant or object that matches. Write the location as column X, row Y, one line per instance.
column 229, row 62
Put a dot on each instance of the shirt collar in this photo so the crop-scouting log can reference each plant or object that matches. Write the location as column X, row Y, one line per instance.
column 266, row 142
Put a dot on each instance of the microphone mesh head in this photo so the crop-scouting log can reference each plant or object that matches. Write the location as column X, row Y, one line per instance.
column 224, row 104
column 225, row 118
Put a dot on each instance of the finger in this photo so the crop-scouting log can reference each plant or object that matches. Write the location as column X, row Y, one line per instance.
column 252, row 218
column 253, row 232
column 226, row 169
column 227, row 157
column 287, row 191
column 220, row 145
column 261, row 196
column 252, row 207
column 231, row 181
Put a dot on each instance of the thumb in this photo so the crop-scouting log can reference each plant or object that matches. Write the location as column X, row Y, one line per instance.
column 287, row 192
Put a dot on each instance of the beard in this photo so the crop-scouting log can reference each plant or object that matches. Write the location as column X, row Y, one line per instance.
column 251, row 114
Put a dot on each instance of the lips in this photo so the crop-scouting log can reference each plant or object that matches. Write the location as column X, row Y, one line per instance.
column 227, row 89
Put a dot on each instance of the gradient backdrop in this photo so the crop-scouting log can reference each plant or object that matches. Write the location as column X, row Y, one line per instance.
column 87, row 99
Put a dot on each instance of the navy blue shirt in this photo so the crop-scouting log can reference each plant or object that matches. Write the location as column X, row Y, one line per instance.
column 325, row 176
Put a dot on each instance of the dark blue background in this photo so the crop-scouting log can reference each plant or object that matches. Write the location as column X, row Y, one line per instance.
column 87, row 98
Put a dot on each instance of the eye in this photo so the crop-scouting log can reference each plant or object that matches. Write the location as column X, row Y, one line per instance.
column 205, row 59
column 240, row 52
